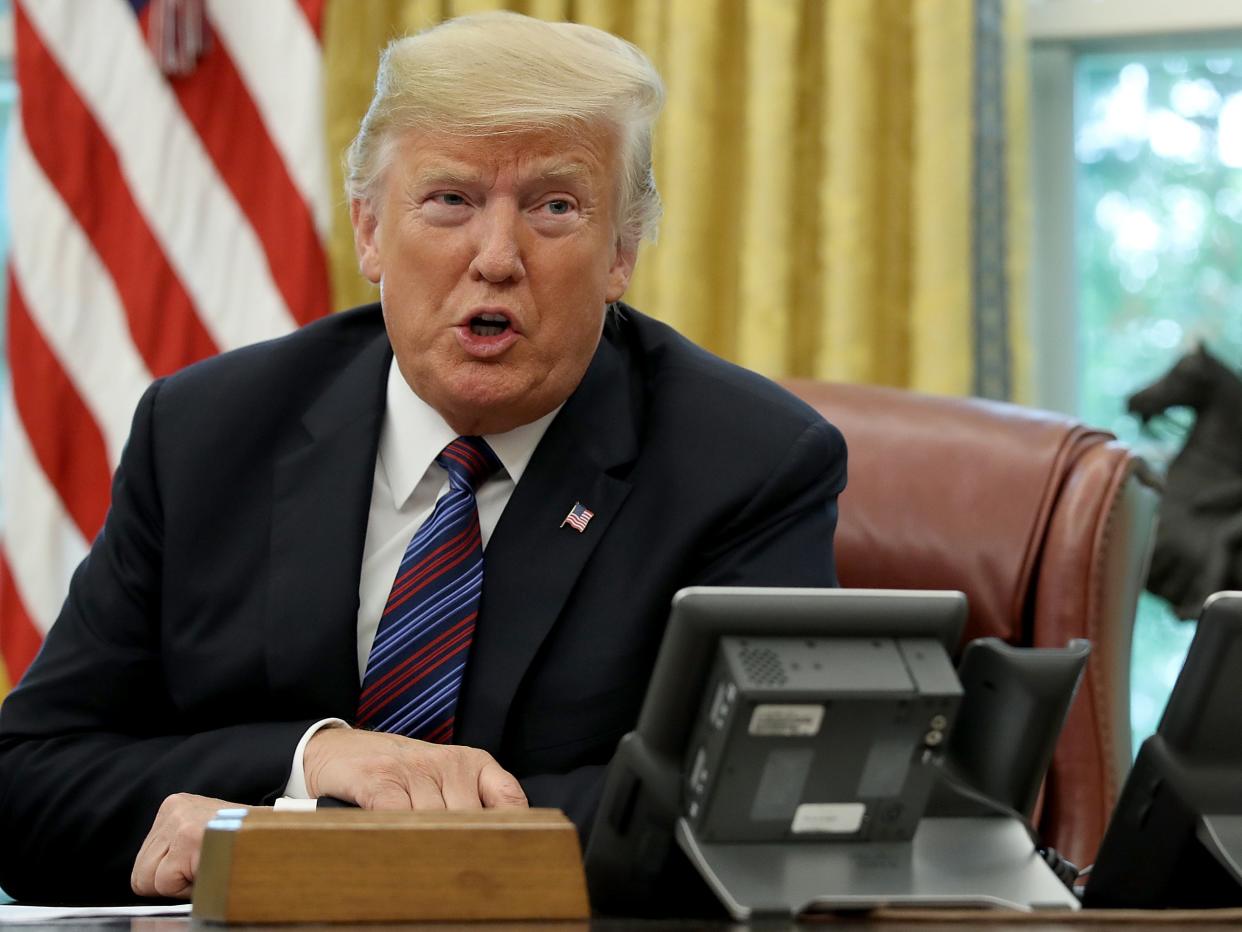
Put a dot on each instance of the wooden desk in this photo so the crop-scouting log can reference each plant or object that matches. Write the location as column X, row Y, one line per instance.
column 884, row 921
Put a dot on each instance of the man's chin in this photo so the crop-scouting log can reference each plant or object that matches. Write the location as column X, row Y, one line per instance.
column 489, row 406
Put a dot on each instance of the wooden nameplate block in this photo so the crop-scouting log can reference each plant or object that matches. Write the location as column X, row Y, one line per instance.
column 353, row 865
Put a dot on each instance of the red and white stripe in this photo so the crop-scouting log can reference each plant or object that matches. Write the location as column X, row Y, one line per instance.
column 156, row 219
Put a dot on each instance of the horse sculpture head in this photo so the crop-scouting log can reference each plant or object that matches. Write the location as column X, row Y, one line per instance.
column 1193, row 382
column 1198, row 548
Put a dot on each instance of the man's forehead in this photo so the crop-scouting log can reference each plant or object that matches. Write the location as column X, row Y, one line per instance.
column 555, row 167
column 531, row 156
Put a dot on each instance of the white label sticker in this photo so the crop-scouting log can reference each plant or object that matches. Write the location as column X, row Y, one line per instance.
column 786, row 720
column 829, row 818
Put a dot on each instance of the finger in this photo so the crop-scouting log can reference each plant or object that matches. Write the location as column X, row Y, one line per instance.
column 154, row 847
column 454, row 770
column 499, row 789
column 188, row 847
column 426, row 792
column 460, row 785
column 388, row 796
column 195, row 856
column 322, row 762
column 173, row 877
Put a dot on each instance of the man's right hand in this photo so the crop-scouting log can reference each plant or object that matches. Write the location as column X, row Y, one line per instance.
column 168, row 859
column 376, row 770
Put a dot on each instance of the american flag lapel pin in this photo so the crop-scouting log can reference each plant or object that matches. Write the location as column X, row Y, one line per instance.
column 579, row 517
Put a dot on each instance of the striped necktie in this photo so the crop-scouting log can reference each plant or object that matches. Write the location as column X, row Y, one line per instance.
column 415, row 668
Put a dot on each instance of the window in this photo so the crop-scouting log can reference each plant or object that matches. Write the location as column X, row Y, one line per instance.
column 1158, row 206
column 1139, row 239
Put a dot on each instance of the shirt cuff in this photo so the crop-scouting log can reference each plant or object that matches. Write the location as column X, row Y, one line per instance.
column 296, row 787
column 289, row 804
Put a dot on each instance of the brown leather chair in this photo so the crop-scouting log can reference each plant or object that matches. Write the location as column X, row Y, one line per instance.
column 1046, row 525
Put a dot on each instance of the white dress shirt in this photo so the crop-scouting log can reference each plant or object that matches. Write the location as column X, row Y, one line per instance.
column 408, row 481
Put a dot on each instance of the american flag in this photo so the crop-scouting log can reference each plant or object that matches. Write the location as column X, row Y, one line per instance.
column 169, row 200
column 578, row 517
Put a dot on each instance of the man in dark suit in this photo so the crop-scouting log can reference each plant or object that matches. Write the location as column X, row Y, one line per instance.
column 538, row 467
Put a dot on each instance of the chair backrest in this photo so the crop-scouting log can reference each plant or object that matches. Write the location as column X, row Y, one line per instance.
column 1045, row 524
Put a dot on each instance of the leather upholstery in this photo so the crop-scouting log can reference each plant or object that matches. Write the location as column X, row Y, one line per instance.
column 1047, row 526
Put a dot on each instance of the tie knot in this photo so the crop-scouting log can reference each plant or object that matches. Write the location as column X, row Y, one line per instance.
column 469, row 461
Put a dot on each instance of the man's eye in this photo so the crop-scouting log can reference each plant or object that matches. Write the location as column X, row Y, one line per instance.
column 450, row 199
column 559, row 207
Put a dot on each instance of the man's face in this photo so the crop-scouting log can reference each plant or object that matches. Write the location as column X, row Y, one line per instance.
column 495, row 259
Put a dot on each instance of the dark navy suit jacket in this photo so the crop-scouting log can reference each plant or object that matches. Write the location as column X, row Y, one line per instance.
column 215, row 617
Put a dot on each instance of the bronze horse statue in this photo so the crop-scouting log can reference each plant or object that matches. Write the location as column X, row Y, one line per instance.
column 1199, row 539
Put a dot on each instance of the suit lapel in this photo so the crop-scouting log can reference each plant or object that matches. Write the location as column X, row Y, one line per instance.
column 320, row 504
column 532, row 562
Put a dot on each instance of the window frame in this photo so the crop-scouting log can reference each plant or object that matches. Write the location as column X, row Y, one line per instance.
column 1055, row 50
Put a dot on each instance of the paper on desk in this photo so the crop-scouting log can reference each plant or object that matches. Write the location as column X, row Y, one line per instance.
column 14, row 914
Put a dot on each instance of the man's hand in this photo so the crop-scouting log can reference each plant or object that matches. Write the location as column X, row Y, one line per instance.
column 382, row 771
column 168, row 859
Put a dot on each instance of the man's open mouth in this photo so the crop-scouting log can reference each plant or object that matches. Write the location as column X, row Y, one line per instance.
column 488, row 325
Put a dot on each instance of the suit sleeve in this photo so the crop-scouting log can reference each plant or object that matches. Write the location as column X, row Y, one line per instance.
column 90, row 740
column 783, row 537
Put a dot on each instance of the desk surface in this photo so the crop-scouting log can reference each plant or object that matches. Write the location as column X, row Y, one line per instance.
column 884, row 920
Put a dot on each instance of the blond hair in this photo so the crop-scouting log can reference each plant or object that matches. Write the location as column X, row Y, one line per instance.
column 498, row 73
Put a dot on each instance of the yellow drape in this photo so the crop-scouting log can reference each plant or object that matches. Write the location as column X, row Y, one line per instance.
column 815, row 159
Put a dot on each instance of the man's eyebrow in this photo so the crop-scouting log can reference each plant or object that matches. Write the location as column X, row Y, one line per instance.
column 448, row 175
column 564, row 171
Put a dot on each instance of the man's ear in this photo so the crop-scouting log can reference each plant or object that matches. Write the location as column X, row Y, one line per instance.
column 622, row 268
column 366, row 224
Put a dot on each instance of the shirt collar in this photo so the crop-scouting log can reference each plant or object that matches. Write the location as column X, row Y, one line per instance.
column 413, row 434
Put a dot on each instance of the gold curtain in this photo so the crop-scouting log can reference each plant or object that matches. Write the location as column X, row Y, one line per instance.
column 817, row 163
column 815, row 159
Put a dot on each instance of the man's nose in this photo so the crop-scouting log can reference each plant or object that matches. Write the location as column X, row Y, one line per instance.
column 498, row 257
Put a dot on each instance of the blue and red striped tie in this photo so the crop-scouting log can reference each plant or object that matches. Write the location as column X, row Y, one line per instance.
column 415, row 668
